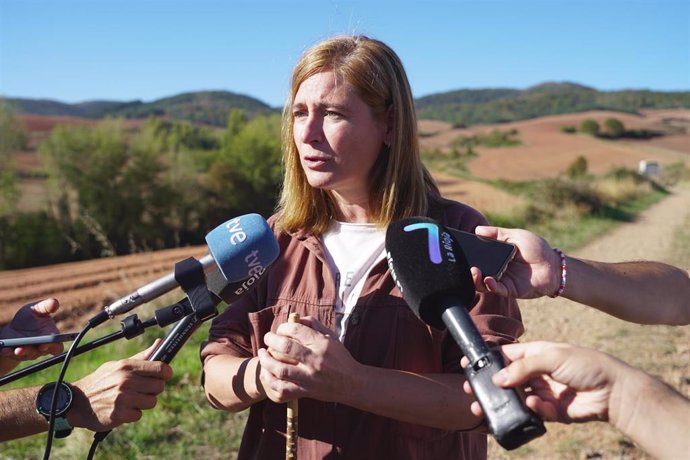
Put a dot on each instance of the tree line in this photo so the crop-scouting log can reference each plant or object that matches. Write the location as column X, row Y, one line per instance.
column 468, row 107
column 114, row 191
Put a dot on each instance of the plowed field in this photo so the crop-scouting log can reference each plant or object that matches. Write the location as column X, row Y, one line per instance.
column 84, row 287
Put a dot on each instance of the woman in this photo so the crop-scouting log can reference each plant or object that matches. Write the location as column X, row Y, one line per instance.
column 371, row 379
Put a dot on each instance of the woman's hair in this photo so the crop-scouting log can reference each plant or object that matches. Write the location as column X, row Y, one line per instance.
column 399, row 182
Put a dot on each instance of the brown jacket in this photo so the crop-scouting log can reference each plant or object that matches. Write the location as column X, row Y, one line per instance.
column 382, row 331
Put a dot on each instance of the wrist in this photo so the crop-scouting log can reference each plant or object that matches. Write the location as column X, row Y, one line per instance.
column 355, row 385
column 255, row 389
column 78, row 413
column 627, row 385
column 559, row 276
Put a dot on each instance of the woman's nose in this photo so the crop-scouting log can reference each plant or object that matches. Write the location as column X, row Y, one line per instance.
column 311, row 129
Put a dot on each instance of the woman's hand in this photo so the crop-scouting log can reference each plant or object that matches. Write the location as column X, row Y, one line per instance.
column 305, row 359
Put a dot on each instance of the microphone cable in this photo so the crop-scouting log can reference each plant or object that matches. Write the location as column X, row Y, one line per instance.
column 61, row 377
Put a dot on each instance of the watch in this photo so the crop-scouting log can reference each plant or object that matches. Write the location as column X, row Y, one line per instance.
column 64, row 403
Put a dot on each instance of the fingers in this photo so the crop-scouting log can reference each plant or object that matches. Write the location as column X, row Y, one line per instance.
column 545, row 410
column 476, row 409
column 144, row 354
column 143, row 368
column 277, row 368
column 285, row 349
column 525, row 367
column 295, row 342
column 317, row 326
column 45, row 307
column 477, row 279
column 275, row 379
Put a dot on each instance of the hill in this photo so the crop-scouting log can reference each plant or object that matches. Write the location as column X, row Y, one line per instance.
column 469, row 107
column 460, row 107
column 207, row 107
column 87, row 109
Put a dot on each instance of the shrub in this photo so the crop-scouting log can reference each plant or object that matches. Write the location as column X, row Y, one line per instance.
column 568, row 129
column 577, row 168
column 32, row 239
column 590, row 127
column 559, row 194
column 614, row 127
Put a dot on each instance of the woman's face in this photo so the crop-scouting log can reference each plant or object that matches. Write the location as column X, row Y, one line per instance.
column 337, row 135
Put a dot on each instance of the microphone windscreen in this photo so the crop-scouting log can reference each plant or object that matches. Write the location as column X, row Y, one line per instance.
column 243, row 247
column 428, row 265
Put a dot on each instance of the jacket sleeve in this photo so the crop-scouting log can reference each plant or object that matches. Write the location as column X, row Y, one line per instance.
column 230, row 331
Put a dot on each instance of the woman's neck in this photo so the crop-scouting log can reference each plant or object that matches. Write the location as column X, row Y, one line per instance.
column 355, row 211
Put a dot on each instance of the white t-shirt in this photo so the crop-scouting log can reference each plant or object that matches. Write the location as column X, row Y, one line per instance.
column 352, row 249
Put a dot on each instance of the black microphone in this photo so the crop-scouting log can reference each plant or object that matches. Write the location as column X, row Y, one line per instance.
column 240, row 248
column 434, row 278
column 220, row 290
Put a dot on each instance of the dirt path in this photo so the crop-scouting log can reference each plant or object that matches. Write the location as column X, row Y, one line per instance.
column 663, row 351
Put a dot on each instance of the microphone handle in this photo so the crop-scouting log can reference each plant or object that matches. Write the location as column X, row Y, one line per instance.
column 176, row 338
column 510, row 421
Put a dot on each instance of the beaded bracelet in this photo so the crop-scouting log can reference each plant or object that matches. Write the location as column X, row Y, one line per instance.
column 564, row 273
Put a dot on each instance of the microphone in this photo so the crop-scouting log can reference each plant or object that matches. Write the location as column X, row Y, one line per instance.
column 434, row 278
column 241, row 248
column 221, row 290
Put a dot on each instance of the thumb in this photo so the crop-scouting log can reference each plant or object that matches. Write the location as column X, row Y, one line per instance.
column 487, row 231
column 144, row 354
column 45, row 307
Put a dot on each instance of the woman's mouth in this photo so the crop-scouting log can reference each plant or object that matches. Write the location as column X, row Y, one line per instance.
column 315, row 161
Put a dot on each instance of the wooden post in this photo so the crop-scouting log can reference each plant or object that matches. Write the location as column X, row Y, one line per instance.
column 292, row 413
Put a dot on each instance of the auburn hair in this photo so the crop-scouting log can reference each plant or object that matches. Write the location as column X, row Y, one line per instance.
column 399, row 183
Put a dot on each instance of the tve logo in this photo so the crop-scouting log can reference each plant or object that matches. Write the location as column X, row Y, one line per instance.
column 237, row 235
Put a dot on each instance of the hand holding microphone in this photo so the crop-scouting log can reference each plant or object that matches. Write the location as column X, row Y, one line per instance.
column 434, row 278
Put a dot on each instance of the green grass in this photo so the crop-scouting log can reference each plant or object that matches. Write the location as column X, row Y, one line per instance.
column 568, row 230
column 680, row 248
column 183, row 425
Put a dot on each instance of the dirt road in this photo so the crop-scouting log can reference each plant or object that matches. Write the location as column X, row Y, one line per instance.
column 663, row 351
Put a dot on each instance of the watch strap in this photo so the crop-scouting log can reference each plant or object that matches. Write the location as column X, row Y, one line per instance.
column 62, row 427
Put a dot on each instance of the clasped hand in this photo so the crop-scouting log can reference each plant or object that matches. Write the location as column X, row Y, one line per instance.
column 305, row 359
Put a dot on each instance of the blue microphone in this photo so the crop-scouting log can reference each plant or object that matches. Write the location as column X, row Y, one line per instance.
column 240, row 248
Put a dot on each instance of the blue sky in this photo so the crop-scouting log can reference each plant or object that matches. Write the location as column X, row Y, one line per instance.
column 77, row 50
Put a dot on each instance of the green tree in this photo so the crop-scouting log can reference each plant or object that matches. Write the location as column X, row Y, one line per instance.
column 590, row 127
column 614, row 127
column 247, row 174
column 12, row 138
column 110, row 197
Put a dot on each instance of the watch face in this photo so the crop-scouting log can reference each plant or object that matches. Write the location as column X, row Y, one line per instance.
column 45, row 396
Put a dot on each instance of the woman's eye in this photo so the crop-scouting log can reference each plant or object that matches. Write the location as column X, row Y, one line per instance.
column 332, row 114
column 299, row 113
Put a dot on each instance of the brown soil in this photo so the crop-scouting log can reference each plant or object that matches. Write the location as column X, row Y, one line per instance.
column 663, row 351
column 547, row 152
column 83, row 288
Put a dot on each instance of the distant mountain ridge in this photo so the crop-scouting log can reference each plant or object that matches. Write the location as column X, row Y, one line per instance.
column 467, row 107
column 462, row 107
column 208, row 107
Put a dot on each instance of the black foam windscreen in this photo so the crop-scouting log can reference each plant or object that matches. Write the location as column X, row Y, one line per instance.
column 228, row 291
column 428, row 265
